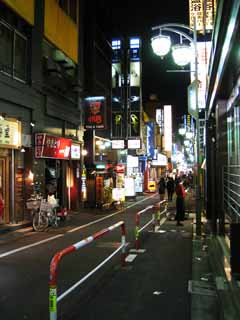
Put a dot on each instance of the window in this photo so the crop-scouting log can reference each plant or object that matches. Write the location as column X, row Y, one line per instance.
column 70, row 8
column 13, row 53
column 20, row 53
column 6, row 52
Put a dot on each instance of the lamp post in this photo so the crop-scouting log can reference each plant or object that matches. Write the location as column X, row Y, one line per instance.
column 161, row 45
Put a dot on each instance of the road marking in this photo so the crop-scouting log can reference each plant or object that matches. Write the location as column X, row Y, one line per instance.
column 8, row 253
column 108, row 216
column 130, row 257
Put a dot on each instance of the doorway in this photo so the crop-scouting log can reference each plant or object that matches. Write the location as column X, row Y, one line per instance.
column 4, row 184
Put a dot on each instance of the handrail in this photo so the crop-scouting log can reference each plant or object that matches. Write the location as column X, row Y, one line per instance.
column 53, row 299
column 156, row 214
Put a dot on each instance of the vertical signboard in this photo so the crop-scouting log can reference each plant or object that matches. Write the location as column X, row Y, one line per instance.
column 117, row 126
column 168, row 127
column 203, row 49
column 150, row 139
column 204, row 12
column 134, row 98
column 95, row 113
column 10, row 133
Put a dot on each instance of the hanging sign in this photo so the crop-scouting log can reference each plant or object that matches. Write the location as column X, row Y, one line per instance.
column 47, row 146
column 95, row 108
column 10, row 134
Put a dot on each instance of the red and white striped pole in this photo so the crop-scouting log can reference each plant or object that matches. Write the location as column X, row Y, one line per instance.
column 59, row 255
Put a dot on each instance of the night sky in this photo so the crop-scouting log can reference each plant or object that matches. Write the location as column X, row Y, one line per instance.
column 136, row 18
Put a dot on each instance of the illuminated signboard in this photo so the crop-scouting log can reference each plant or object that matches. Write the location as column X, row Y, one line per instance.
column 95, row 108
column 204, row 22
column 203, row 49
column 150, row 139
column 118, row 144
column 47, row 146
column 134, row 144
column 75, row 151
column 132, row 162
column 168, row 128
column 10, row 134
column 161, row 160
column 192, row 100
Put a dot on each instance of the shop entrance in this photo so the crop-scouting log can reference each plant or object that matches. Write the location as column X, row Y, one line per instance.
column 4, row 186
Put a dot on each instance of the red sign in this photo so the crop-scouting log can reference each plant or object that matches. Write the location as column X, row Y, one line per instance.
column 120, row 168
column 95, row 108
column 47, row 146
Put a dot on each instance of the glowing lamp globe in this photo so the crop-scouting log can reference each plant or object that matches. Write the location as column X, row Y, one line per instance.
column 182, row 131
column 161, row 45
column 182, row 54
column 189, row 135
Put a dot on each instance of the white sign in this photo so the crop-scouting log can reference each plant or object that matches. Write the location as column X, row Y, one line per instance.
column 203, row 49
column 168, row 127
column 118, row 194
column 134, row 144
column 161, row 160
column 75, row 151
column 129, row 185
column 132, row 162
column 10, row 133
column 118, row 144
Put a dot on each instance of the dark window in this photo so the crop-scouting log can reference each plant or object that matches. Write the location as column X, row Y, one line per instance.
column 70, row 8
column 20, row 52
column 13, row 53
column 73, row 9
column 6, row 51
column 64, row 5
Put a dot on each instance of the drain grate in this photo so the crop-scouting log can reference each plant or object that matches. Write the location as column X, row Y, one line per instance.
column 201, row 288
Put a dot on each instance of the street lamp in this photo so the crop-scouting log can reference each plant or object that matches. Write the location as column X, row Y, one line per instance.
column 182, row 56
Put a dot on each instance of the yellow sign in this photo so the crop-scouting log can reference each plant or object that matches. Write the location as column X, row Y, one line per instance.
column 24, row 8
column 10, row 134
column 204, row 12
column 152, row 186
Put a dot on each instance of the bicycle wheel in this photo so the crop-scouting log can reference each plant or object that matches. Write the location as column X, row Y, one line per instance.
column 40, row 221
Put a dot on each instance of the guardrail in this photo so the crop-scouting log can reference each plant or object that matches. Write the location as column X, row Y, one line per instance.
column 53, row 298
column 156, row 215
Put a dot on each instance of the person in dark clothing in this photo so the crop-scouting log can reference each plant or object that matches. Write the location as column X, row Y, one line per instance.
column 161, row 188
column 170, row 188
column 180, row 202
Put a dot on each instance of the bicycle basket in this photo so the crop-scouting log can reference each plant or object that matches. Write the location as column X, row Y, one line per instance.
column 33, row 204
column 45, row 206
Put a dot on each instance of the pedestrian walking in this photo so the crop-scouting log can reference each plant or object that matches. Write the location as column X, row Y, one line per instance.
column 170, row 188
column 161, row 188
column 180, row 202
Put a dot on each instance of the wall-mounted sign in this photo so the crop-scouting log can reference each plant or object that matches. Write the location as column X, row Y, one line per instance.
column 47, row 146
column 75, row 151
column 118, row 144
column 10, row 134
column 134, row 144
column 95, row 108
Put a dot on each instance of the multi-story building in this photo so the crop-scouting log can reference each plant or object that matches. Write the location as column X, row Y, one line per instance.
column 42, row 90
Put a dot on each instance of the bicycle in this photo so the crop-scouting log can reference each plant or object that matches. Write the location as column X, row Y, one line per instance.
column 44, row 213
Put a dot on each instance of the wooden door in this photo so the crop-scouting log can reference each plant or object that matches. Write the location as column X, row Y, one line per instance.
column 4, row 185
